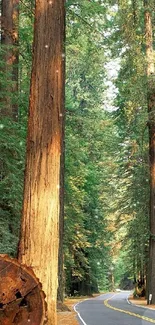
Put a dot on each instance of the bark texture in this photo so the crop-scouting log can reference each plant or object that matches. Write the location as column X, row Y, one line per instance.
column 21, row 297
column 39, row 242
column 151, row 123
column 60, row 293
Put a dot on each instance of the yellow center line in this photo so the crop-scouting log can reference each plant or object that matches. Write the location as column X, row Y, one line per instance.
column 127, row 312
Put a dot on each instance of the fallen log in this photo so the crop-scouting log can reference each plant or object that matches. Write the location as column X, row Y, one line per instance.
column 22, row 300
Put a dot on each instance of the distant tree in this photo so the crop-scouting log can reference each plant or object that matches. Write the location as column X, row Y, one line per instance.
column 131, row 181
column 150, row 70
column 61, row 282
column 39, row 240
column 12, row 133
column 10, row 57
column 86, row 258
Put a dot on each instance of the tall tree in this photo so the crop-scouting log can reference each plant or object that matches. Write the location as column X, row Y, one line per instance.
column 39, row 231
column 150, row 70
column 10, row 56
column 60, row 294
column 12, row 152
column 85, row 251
column 132, row 204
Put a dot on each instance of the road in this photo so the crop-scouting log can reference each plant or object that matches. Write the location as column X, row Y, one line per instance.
column 113, row 309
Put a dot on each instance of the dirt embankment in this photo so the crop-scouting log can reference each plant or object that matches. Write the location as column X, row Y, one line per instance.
column 66, row 313
column 140, row 302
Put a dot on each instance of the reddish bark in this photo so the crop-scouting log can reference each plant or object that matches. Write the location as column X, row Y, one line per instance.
column 39, row 241
column 21, row 296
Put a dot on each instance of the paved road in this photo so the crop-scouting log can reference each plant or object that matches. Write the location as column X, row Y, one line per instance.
column 113, row 309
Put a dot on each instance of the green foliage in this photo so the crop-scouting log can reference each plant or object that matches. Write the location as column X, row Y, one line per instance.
column 87, row 257
column 132, row 199
column 13, row 135
column 12, row 147
column 106, row 164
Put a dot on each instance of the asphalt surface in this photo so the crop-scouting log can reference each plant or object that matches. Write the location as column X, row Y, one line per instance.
column 113, row 309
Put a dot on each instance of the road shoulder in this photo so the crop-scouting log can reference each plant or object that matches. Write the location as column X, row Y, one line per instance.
column 69, row 317
column 140, row 302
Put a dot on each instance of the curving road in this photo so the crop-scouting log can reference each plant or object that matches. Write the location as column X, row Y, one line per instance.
column 113, row 309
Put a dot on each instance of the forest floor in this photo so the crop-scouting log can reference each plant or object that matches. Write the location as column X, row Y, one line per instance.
column 140, row 302
column 66, row 314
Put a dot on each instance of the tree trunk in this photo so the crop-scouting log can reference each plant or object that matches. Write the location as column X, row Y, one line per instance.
column 60, row 293
column 15, row 60
column 134, row 9
column 10, row 57
column 151, row 123
column 39, row 241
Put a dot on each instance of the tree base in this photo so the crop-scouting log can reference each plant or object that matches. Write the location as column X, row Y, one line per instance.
column 22, row 300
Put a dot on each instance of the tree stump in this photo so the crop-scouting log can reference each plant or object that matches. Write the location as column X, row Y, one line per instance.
column 22, row 300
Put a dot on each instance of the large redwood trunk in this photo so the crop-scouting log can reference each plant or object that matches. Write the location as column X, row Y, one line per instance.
column 10, row 57
column 151, row 123
column 40, row 225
